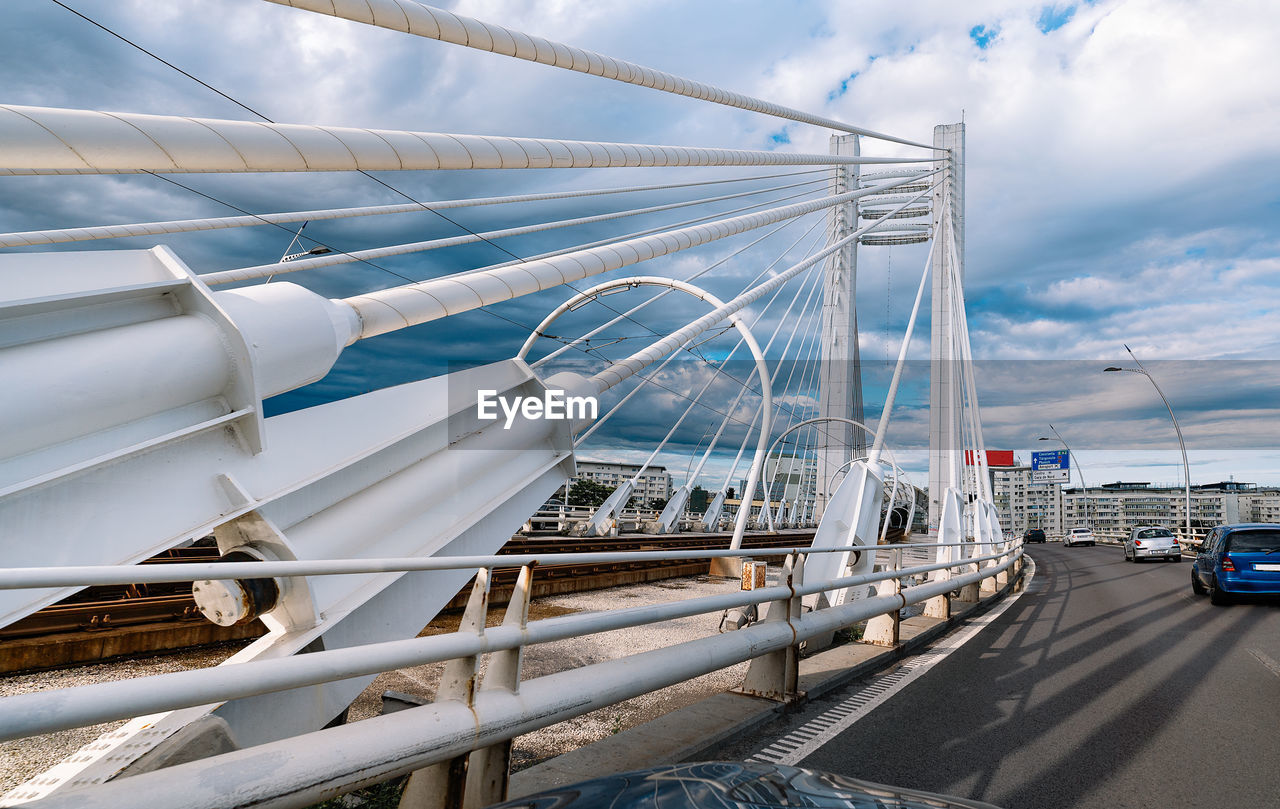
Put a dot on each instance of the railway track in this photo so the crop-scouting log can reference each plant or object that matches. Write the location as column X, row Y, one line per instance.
column 101, row 623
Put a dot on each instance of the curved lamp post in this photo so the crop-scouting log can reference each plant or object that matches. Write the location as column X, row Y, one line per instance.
column 1079, row 468
column 1186, row 467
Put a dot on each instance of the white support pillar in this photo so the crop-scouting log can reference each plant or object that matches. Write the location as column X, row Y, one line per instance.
column 945, row 456
column 840, row 385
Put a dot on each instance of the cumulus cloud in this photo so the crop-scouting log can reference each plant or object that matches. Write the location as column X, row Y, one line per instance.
column 1121, row 167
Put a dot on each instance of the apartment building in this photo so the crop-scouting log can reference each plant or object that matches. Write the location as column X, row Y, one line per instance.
column 654, row 484
column 1023, row 504
column 1121, row 505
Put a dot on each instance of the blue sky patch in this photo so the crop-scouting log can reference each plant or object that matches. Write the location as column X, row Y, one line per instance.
column 780, row 137
column 1052, row 17
column 843, row 88
column 983, row 35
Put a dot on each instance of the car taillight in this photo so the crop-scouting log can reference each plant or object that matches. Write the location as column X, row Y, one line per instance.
column 1137, row 543
column 1228, row 565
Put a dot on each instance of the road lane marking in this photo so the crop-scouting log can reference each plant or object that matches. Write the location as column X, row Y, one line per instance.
column 800, row 743
column 1266, row 660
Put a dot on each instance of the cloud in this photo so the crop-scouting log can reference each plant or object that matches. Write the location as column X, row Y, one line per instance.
column 1121, row 169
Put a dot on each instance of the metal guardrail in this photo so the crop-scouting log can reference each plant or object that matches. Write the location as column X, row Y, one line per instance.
column 472, row 714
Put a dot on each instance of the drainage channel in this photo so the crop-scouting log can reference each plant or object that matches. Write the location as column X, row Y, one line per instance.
column 798, row 744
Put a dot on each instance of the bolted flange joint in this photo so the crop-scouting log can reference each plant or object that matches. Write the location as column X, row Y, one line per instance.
column 227, row 602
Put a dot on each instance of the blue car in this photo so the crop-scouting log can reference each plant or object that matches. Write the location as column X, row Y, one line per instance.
column 1238, row 560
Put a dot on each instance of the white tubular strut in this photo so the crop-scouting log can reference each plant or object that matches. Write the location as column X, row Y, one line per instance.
column 45, row 140
column 411, row 304
column 434, row 23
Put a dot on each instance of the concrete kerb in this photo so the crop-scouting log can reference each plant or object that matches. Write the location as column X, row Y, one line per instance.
column 689, row 733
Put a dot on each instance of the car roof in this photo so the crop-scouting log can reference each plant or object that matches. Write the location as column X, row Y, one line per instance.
column 1252, row 526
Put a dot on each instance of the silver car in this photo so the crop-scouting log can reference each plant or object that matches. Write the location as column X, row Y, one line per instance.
column 1152, row 542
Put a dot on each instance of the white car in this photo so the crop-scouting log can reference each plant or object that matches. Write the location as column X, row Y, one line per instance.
column 1078, row 536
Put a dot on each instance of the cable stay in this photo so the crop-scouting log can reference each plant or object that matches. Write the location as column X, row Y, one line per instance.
column 418, row 19
column 91, row 233
column 258, row 271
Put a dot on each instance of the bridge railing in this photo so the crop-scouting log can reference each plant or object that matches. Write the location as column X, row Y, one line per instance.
column 470, row 713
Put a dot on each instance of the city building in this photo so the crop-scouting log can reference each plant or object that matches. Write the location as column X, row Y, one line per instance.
column 1117, row 507
column 654, row 484
column 1023, row 504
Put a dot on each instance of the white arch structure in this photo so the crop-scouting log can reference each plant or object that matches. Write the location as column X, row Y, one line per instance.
column 762, row 372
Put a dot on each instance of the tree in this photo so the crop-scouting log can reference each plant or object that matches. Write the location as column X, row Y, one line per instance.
column 698, row 499
column 585, row 492
column 658, row 503
column 729, row 495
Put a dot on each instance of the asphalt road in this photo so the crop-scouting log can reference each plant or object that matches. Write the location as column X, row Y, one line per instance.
column 1108, row 684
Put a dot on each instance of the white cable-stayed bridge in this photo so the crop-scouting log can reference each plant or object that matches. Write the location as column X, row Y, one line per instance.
column 347, row 526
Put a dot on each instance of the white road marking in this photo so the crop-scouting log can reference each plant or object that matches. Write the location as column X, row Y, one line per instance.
column 1266, row 660
column 803, row 741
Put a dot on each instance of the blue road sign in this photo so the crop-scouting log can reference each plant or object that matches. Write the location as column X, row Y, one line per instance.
column 1051, row 466
column 1050, row 459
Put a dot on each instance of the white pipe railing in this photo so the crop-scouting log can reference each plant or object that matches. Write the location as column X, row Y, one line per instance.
column 340, row 759
column 49, row 711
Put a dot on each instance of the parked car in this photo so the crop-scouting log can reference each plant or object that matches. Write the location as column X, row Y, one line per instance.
column 1237, row 560
column 1078, row 536
column 1152, row 542
column 1033, row 535
column 733, row 785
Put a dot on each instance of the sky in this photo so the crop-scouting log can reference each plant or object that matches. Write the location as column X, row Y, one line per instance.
column 1122, row 169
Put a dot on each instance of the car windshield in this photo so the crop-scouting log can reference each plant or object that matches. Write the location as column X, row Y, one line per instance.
column 1260, row 539
column 1153, row 533
column 1079, row 530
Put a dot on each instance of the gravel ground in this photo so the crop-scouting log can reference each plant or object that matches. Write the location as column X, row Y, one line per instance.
column 23, row 758
column 550, row 658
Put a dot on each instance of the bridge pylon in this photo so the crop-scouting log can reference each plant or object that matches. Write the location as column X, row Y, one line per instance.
column 946, row 461
column 840, row 378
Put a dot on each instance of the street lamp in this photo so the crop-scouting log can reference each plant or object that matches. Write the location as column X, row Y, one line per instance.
column 1087, row 512
column 1186, row 467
